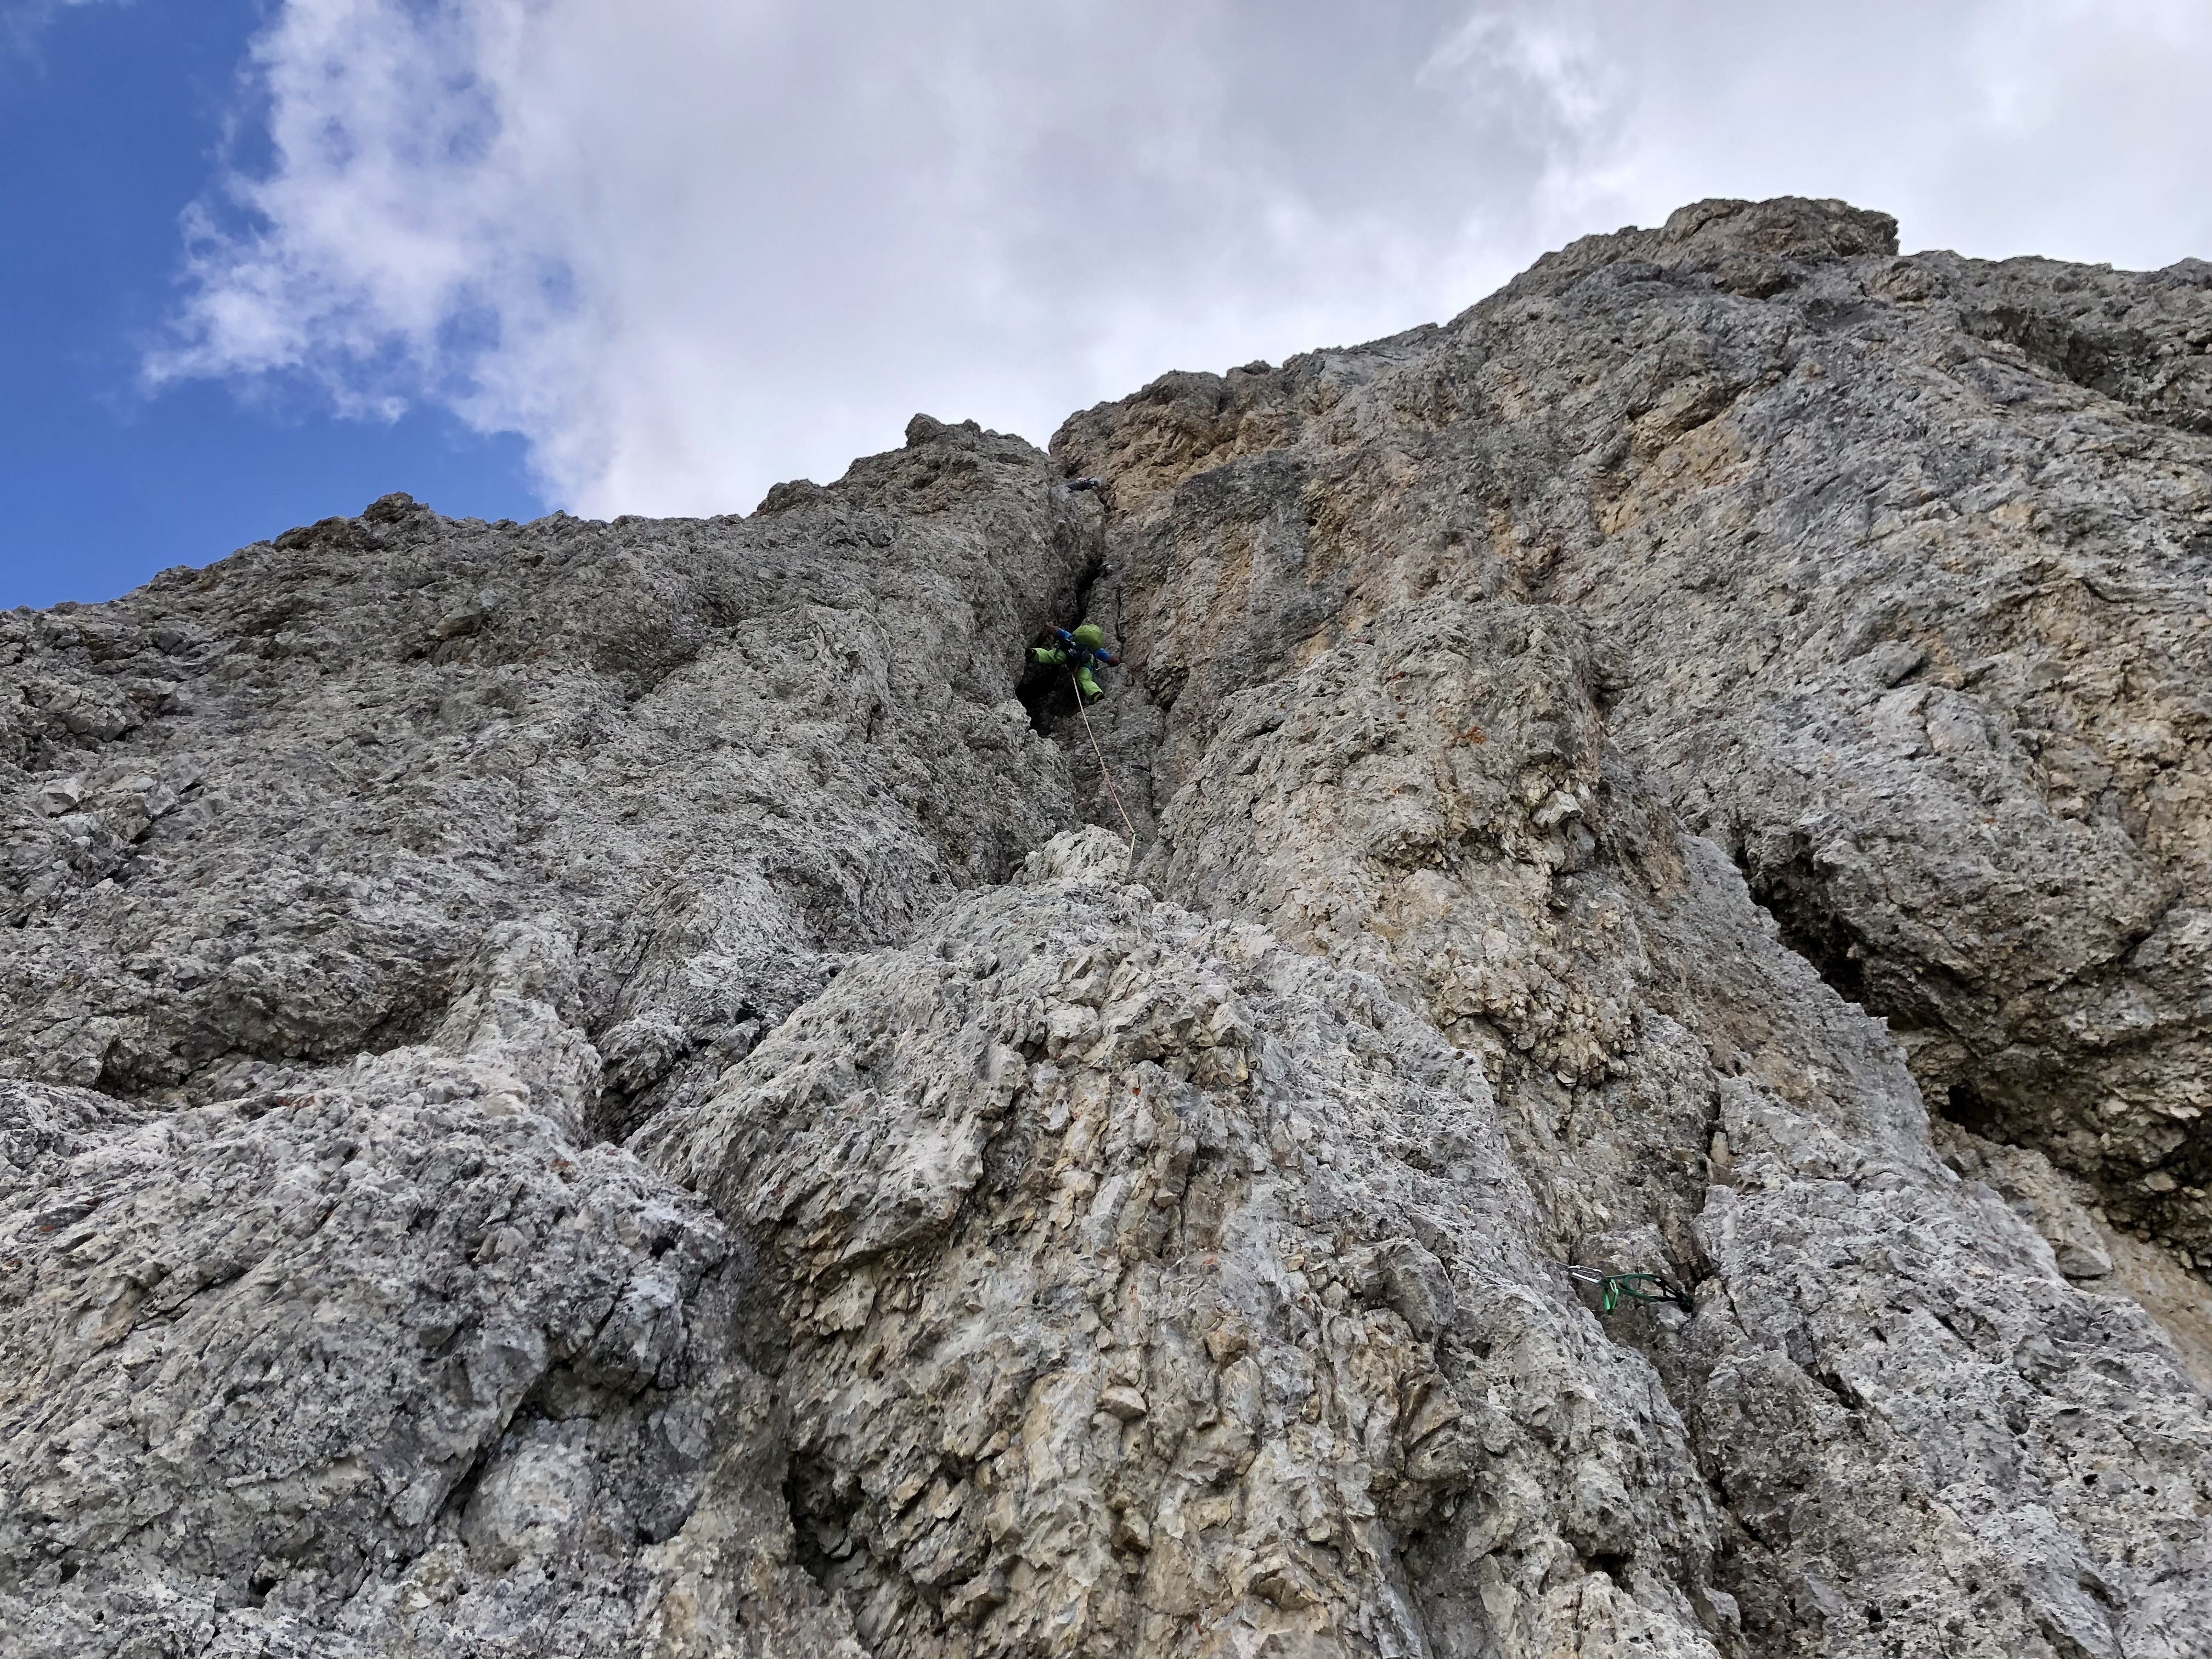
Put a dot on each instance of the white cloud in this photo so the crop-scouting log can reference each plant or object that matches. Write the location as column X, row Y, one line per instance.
column 2073, row 128
column 692, row 247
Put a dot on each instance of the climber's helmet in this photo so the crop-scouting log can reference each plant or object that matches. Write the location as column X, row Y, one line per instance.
column 1091, row 637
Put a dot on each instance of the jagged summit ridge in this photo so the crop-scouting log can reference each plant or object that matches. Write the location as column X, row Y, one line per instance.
column 567, row 1091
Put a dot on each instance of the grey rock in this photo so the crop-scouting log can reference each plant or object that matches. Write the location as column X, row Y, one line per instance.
column 1108, row 1331
column 725, row 753
column 1418, row 1288
column 1909, row 616
column 1511, row 661
column 589, row 1088
column 383, row 1364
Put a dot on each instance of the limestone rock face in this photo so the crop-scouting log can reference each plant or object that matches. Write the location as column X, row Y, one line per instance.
column 1896, row 574
column 1151, row 1287
column 717, row 757
column 578, row 1089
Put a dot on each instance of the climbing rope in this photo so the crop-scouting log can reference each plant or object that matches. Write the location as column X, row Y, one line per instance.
column 1101, row 755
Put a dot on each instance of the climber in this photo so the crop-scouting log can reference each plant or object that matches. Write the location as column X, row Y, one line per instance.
column 1076, row 485
column 1616, row 1288
column 1079, row 651
column 1643, row 1287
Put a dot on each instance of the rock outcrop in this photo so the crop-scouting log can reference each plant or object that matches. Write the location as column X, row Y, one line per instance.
column 1898, row 567
column 714, row 757
column 586, row 1089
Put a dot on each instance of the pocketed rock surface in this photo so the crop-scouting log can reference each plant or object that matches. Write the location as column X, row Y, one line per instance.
column 262, row 814
column 586, row 1089
column 1898, row 569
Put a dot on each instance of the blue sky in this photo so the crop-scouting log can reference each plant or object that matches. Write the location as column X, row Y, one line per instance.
column 111, row 116
column 265, row 260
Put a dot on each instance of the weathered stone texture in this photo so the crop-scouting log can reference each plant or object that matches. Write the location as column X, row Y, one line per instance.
column 1898, row 574
column 1154, row 1288
column 577, row 1089
column 720, row 754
